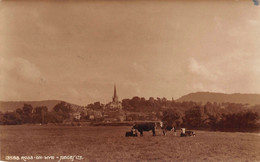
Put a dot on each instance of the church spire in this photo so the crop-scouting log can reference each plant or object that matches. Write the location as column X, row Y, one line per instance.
column 115, row 90
column 115, row 98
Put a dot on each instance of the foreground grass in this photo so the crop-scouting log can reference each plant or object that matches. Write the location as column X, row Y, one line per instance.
column 109, row 143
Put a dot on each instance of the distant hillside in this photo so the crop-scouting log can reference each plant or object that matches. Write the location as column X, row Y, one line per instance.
column 13, row 105
column 204, row 97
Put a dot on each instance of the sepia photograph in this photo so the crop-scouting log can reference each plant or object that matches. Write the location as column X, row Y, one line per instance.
column 129, row 80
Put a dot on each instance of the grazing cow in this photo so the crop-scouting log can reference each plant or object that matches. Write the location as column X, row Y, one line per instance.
column 166, row 127
column 190, row 133
column 132, row 133
column 187, row 133
column 144, row 127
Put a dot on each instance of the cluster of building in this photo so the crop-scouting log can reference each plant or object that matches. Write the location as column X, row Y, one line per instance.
column 110, row 112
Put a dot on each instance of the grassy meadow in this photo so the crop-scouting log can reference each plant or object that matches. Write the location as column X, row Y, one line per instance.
column 108, row 143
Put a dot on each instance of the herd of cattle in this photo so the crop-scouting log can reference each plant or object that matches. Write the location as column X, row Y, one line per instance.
column 151, row 126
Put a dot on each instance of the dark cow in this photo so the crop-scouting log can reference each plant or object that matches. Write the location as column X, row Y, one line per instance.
column 132, row 133
column 144, row 127
column 166, row 127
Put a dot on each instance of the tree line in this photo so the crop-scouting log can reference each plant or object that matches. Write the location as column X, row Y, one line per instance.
column 29, row 115
column 193, row 115
column 196, row 118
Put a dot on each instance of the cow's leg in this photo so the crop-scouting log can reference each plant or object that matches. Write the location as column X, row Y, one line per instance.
column 164, row 132
column 154, row 132
column 141, row 133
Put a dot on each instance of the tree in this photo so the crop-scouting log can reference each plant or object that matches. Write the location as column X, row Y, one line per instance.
column 90, row 106
column 27, row 114
column 126, row 104
column 83, row 115
column 250, row 119
column 213, row 121
column 239, row 121
column 39, row 114
column 170, row 117
column 63, row 107
column 151, row 102
column 192, row 118
column 19, row 111
column 11, row 118
column 62, row 111
column 135, row 102
column 97, row 105
column 27, row 109
column 143, row 102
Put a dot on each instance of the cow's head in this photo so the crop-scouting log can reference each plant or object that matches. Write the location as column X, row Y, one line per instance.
column 161, row 124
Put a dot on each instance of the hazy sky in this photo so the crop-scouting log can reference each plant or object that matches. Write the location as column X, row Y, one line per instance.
column 76, row 50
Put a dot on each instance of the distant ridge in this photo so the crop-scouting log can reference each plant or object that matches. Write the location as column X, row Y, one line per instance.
column 13, row 105
column 204, row 97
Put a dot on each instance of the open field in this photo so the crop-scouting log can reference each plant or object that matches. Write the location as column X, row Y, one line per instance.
column 109, row 143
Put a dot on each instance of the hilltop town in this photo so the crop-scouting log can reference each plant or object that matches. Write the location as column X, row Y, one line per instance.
column 112, row 112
